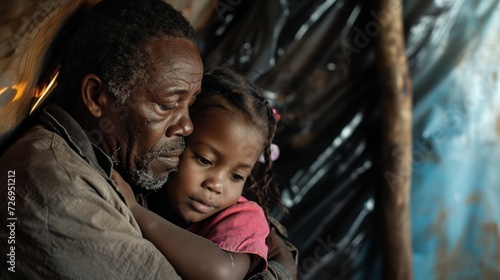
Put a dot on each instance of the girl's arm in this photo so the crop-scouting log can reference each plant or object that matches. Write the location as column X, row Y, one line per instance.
column 192, row 256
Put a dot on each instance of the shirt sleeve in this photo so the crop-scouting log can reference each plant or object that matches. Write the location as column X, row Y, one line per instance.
column 241, row 228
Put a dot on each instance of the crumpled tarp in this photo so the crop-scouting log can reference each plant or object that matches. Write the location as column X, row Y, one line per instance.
column 325, row 91
column 454, row 58
column 328, row 135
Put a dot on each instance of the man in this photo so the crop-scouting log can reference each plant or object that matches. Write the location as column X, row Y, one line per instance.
column 125, row 85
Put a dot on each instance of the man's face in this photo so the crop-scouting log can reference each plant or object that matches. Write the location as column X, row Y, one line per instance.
column 147, row 136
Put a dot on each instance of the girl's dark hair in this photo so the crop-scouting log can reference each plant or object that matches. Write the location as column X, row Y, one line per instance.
column 110, row 40
column 222, row 86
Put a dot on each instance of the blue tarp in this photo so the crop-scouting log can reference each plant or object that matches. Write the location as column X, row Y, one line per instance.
column 454, row 56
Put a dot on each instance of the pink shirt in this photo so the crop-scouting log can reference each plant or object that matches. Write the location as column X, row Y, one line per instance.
column 241, row 228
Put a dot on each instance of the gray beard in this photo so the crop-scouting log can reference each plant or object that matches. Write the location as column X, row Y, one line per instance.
column 143, row 176
column 144, row 179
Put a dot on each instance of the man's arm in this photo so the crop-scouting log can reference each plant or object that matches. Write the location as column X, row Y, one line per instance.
column 192, row 256
column 71, row 223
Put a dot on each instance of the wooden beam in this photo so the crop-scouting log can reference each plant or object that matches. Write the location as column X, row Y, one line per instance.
column 396, row 102
column 27, row 30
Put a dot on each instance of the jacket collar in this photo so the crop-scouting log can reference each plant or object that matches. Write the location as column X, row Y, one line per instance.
column 58, row 120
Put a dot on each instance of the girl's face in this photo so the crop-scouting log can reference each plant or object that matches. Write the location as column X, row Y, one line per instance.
column 219, row 156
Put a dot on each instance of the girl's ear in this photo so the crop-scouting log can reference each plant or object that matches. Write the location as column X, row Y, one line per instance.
column 94, row 94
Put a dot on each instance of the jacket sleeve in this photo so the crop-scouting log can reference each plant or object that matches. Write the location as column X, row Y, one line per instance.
column 70, row 222
column 275, row 271
column 283, row 250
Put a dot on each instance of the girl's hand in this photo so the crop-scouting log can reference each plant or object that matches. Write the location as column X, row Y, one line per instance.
column 124, row 188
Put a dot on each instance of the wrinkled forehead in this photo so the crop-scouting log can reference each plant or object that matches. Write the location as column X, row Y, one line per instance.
column 174, row 58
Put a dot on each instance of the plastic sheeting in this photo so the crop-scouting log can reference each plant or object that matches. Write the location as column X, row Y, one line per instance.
column 315, row 59
column 454, row 56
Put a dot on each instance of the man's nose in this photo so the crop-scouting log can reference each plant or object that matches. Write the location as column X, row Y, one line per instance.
column 182, row 125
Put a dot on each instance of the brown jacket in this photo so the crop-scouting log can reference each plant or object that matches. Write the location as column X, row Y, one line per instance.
column 67, row 221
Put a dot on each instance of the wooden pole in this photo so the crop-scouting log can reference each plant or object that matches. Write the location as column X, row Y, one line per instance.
column 396, row 141
column 27, row 30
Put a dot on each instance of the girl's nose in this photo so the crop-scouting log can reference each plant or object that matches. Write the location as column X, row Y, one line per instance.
column 213, row 185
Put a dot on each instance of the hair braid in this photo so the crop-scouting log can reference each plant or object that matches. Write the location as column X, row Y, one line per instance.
column 267, row 189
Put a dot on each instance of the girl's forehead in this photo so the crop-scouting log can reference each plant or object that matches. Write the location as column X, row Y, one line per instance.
column 217, row 111
column 213, row 119
column 227, row 136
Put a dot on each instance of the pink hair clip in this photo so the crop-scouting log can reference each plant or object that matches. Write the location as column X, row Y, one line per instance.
column 275, row 153
column 276, row 115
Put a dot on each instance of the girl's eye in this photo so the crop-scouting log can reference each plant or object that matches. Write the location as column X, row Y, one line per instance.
column 236, row 177
column 203, row 161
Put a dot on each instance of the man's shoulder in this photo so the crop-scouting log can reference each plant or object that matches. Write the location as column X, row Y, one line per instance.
column 40, row 156
column 37, row 145
column 35, row 138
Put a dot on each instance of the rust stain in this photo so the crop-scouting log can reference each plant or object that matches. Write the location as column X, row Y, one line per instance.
column 437, row 228
column 474, row 198
column 458, row 262
column 498, row 125
column 451, row 262
column 448, row 261
column 490, row 263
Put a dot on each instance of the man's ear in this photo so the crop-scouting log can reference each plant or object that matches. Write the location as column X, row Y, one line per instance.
column 94, row 94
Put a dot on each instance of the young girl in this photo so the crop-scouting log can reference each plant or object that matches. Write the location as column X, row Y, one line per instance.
column 234, row 126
